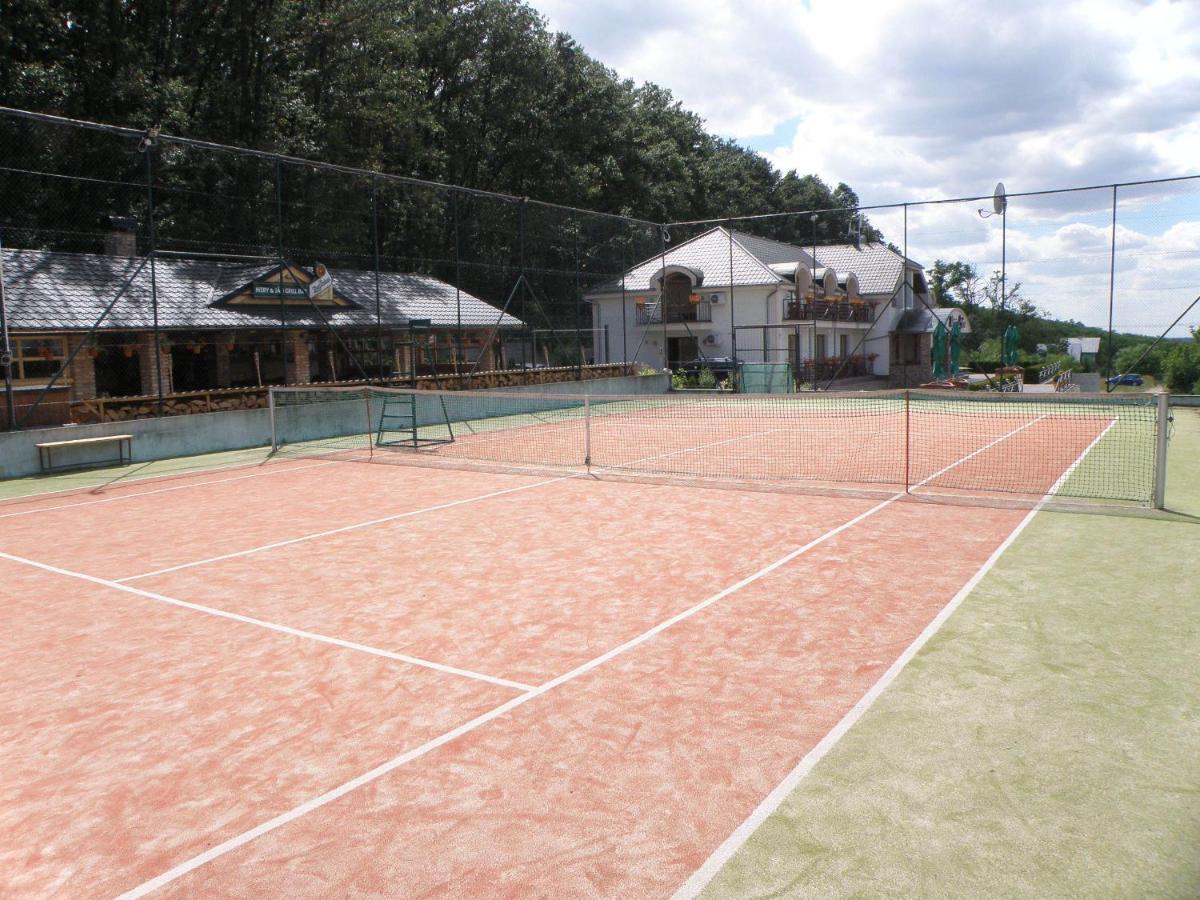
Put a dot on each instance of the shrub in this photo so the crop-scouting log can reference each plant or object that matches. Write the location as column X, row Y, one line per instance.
column 1182, row 369
column 679, row 381
column 707, row 379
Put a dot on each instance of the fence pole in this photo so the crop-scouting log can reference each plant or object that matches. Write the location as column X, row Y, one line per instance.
column 624, row 313
column 736, row 376
column 579, row 310
column 279, row 249
column 379, row 367
column 148, row 153
column 6, row 356
column 1112, row 274
column 458, row 357
column 271, row 415
column 1160, row 452
column 371, row 421
column 587, row 430
column 907, row 439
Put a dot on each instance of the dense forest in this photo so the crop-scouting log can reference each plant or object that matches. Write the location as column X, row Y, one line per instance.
column 479, row 93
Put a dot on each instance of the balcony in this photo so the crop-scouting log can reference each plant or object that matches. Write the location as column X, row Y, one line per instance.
column 820, row 311
column 651, row 313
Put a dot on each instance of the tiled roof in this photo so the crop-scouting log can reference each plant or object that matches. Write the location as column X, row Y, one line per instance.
column 709, row 252
column 46, row 290
column 878, row 268
column 770, row 252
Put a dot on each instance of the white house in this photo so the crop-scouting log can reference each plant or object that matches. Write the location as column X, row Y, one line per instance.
column 1083, row 349
column 730, row 294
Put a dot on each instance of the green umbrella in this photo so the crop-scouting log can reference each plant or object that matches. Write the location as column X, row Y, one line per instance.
column 955, row 345
column 939, row 351
column 1009, row 357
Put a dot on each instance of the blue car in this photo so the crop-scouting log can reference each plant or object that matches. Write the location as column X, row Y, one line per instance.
column 1128, row 378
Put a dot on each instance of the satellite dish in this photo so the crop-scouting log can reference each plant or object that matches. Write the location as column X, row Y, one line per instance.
column 999, row 199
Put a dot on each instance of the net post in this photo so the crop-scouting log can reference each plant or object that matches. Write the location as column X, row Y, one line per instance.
column 1160, row 452
column 370, row 422
column 907, row 440
column 271, row 414
column 587, row 430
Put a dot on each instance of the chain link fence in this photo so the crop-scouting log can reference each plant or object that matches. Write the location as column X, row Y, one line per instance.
column 146, row 275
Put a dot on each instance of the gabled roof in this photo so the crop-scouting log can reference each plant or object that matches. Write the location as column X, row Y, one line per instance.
column 878, row 268
column 47, row 290
column 710, row 253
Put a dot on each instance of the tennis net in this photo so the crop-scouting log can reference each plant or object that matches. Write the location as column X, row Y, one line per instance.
column 1094, row 447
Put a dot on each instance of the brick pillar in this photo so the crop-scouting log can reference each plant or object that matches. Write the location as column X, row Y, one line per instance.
column 146, row 363
column 295, row 355
column 83, row 369
column 222, row 358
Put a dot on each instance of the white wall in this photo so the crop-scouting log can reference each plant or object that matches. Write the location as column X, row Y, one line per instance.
column 646, row 344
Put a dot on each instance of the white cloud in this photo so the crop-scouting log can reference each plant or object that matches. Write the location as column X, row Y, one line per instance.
column 940, row 98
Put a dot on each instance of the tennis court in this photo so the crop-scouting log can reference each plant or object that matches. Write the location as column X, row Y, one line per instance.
column 501, row 668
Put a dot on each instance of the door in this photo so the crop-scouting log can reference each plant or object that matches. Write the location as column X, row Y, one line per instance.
column 681, row 350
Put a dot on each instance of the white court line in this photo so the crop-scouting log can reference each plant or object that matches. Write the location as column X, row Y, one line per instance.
column 271, row 626
column 332, row 531
column 408, row 756
column 730, row 846
column 427, row 509
column 273, row 470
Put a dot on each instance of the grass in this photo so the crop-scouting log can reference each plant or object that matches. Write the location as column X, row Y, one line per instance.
column 1043, row 743
column 109, row 476
column 1150, row 384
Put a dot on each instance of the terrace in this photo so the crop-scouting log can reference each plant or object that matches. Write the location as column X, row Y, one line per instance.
column 824, row 311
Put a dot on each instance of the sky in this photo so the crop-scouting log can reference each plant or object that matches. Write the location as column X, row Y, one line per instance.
column 933, row 99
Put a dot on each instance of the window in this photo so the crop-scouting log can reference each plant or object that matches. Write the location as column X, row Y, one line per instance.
column 821, row 351
column 844, row 350
column 38, row 358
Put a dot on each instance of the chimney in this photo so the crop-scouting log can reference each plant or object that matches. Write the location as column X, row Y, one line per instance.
column 121, row 238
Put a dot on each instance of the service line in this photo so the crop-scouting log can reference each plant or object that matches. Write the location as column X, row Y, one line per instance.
column 271, row 626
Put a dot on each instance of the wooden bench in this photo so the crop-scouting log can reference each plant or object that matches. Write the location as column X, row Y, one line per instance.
column 124, row 444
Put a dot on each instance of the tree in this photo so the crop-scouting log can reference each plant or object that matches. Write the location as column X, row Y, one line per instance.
column 1130, row 359
column 954, row 284
column 1181, row 368
column 1005, row 300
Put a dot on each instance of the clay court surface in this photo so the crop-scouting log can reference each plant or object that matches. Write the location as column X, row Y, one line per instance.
column 315, row 677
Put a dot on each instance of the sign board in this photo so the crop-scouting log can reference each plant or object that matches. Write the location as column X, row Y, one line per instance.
column 323, row 281
column 273, row 290
column 420, row 324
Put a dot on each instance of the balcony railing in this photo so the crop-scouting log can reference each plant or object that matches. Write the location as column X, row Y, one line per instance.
column 828, row 312
column 817, row 370
column 651, row 313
